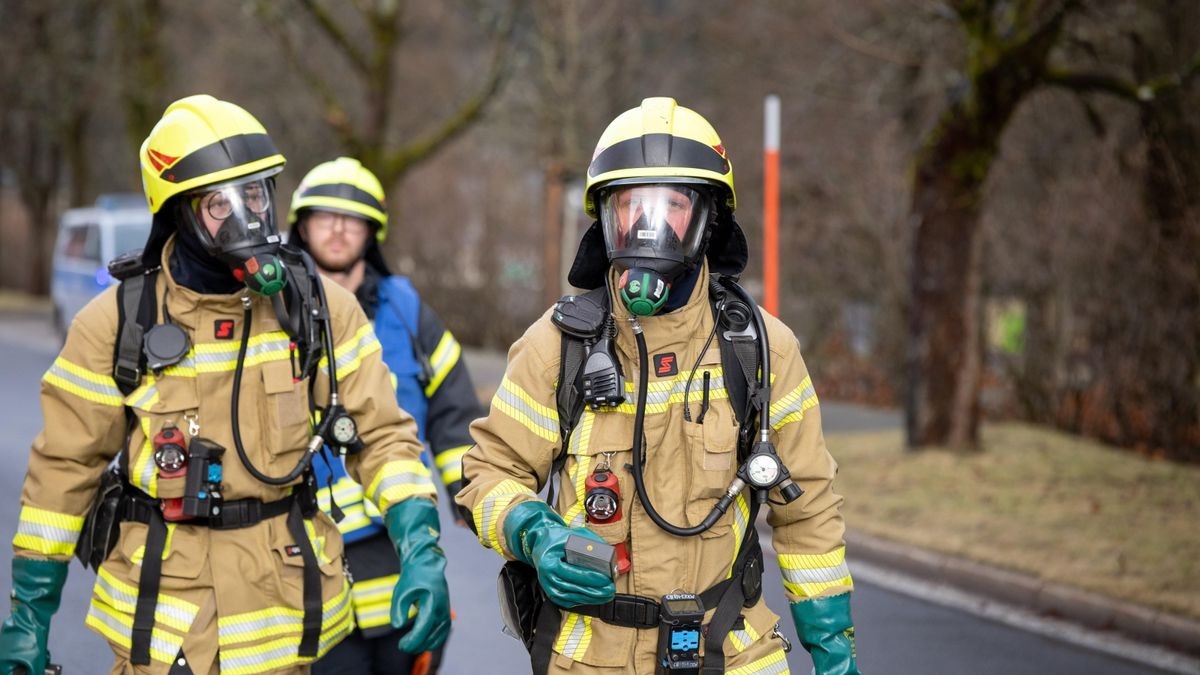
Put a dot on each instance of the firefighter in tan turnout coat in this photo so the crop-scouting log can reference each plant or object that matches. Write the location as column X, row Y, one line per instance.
column 662, row 188
column 242, row 574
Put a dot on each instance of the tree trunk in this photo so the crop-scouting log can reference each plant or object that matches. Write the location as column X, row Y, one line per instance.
column 945, row 350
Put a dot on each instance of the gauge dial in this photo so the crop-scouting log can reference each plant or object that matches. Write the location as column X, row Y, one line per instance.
column 763, row 470
column 344, row 430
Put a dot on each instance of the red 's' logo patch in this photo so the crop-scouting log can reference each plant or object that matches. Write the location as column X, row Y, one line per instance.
column 223, row 329
column 160, row 160
column 665, row 365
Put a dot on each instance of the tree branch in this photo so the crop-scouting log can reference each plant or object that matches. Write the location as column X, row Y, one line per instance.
column 1129, row 90
column 334, row 113
column 866, row 48
column 334, row 32
column 403, row 159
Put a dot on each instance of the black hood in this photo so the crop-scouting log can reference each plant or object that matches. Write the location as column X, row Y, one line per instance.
column 727, row 253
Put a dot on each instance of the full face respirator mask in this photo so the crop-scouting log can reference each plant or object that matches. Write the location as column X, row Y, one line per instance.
column 236, row 224
column 654, row 234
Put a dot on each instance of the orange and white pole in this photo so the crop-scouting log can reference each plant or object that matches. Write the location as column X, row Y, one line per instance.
column 771, row 204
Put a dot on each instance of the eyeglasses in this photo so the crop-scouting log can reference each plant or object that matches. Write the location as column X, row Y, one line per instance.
column 325, row 221
column 220, row 204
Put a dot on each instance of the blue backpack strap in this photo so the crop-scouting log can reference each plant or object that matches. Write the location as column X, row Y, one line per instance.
column 398, row 292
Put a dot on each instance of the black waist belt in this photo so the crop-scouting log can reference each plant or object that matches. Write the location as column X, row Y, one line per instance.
column 635, row 611
column 234, row 514
column 727, row 597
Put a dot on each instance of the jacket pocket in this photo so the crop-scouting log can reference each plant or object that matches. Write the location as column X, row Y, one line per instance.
column 323, row 537
column 159, row 403
column 286, row 425
column 712, row 461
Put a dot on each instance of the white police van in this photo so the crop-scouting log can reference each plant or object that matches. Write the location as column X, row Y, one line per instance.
column 88, row 238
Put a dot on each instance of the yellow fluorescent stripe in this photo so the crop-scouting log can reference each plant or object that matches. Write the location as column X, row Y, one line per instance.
column 451, row 456
column 144, row 474
column 449, row 464
column 114, row 400
column 813, row 589
column 398, row 467
column 349, row 354
column 791, row 408
column 83, row 373
column 64, row 521
column 163, row 645
column 444, row 358
column 487, row 512
column 163, row 598
column 274, row 621
column 808, row 561
column 515, row 402
column 808, row 575
column 574, row 516
column 516, row 389
column 524, row 420
column 574, row 637
column 774, row 663
column 43, row 546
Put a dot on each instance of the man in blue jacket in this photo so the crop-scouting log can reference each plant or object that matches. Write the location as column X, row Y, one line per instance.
column 338, row 215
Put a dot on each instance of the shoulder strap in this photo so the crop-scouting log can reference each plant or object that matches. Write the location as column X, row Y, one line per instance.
column 580, row 318
column 405, row 303
column 136, row 301
column 739, row 360
column 137, row 298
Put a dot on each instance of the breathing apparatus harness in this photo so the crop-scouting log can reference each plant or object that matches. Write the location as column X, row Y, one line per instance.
column 590, row 376
column 144, row 344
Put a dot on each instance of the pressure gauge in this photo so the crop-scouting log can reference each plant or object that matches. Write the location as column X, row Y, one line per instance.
column 345, row 431
column 763, row 470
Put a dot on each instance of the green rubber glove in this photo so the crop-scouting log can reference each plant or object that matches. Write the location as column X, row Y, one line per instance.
column 827, row 632
column 36, row 593
column 413, row 527
column 538, row 537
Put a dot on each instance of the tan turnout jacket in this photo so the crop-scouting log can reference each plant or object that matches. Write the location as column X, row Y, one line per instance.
column 233, row 592
column 688, row 467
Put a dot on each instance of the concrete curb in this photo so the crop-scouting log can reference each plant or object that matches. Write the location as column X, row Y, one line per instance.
column 1078, row 606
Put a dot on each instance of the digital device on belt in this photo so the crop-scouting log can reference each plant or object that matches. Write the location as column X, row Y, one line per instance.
column 592, row 554
column 680, row 617
column 202, row 486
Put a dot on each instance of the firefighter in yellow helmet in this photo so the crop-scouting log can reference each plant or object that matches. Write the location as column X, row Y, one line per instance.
column 213, row 374
column 339, row 216
column 670, row 409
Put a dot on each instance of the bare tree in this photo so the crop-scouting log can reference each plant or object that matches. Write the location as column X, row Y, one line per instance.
column 45, row 123
column 368, row 130
column 1009, row 50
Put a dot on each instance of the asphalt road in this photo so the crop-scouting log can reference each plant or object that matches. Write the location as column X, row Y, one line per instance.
column 897, row 634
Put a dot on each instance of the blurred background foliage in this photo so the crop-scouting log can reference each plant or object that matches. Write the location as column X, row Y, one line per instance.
column 989, row 207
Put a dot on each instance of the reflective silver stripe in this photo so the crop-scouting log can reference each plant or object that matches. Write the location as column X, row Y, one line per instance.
column 346, row 358
column 128, row 603
column 149, row 469
column 106, row 390
column 230, row 630
column 816, row 575
column 48, row 532
column 793, row 406
column 261, row 658
column 515, row 401
column 576, row 637
column 146, row 397
column 166, row 648
column 401, row 479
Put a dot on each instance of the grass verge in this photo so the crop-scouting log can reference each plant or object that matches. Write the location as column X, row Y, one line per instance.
column 1059, row 507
